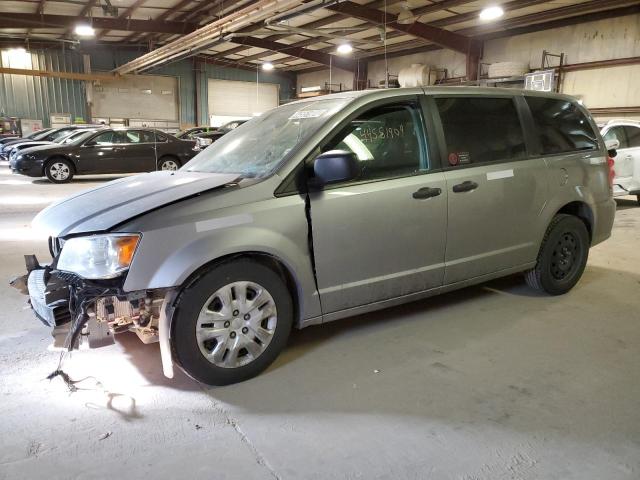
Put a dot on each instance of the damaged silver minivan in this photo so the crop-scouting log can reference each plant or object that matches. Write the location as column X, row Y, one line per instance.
column 323, row 209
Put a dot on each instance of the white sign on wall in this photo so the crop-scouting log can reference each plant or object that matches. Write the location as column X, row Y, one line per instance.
column 542, row 81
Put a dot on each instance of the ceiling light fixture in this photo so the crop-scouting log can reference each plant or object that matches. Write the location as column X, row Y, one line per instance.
column 267, row 66
column 344, row 49
column 491, row 13
column 85, row 31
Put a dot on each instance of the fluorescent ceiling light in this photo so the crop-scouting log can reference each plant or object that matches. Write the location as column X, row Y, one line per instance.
column 491, row 13
column 267, row 66
column 344, row 49
column 85, row 31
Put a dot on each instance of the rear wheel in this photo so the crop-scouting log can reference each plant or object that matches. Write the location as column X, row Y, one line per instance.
column 59, row 170
column 231, row 323
column 562, row 257
column 168, row 163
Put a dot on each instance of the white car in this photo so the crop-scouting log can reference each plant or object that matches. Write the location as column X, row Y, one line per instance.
column 627, row 162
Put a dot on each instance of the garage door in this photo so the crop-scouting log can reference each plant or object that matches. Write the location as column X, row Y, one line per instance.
column 137, row 96
column 229, row 100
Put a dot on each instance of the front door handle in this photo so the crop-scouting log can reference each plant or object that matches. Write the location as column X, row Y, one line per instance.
column 466, row 186
column 426, row 192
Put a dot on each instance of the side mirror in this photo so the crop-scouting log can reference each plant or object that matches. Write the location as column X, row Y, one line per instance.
column 332, row 167
column 612, row 146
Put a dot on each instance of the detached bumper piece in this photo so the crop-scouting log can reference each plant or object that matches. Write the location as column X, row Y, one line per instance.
column 49, row 300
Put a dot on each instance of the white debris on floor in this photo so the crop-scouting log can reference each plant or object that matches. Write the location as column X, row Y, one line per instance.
column 491, row 382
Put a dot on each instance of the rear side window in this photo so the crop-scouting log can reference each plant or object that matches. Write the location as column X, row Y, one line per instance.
column 633, row 136
column 481, row 129
column 617, row 133
column 561, row 126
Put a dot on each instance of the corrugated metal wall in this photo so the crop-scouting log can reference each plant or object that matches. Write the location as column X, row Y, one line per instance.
column 38, row 97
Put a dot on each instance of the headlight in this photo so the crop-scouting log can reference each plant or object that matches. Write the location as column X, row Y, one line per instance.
column 98, row 256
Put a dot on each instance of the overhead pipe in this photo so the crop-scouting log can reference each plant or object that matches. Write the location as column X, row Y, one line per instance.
column 208, row 34
column 301, row 10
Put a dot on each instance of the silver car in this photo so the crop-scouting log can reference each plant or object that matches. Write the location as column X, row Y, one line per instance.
column 323, row 209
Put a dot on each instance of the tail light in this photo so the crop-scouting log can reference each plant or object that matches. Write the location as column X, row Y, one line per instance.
column 612, row 173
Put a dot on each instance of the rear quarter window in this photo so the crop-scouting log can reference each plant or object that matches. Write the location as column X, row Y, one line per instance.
column 481, row 130
column 561, row 127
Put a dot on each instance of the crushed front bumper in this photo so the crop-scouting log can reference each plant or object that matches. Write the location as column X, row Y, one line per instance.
column 82, row 311
column 51, row 305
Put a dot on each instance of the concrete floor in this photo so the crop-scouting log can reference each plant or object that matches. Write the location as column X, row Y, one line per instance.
column 491, row 382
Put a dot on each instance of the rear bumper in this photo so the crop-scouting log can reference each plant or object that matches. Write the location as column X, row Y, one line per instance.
column 605, row 214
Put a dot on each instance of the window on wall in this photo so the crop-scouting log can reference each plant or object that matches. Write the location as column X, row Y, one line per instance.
column 388, row 141
column 480, row 130
column 561, row 126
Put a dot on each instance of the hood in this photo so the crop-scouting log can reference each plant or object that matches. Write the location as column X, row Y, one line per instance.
column 106, row 206
column 35, row 143
column 39, row 146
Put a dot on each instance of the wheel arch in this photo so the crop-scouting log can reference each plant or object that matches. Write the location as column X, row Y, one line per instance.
column 266, row 259
column 58, row 156
column 170, row 156
column 581, row 210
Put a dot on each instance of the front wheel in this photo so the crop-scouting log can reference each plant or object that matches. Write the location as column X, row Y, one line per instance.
column 231, row 323
column 562, row 257
column 168, row 163
column 59, row 170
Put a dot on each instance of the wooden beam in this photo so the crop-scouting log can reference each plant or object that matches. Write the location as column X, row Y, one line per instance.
column 299, row 52
column 31, row 20
column 66, row 75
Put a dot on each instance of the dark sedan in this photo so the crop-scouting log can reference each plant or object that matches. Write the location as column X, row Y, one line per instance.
column 207, row 138
column 125, row 150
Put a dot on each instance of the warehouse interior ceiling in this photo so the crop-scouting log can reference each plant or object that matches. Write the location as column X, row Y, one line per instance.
column 302, row 36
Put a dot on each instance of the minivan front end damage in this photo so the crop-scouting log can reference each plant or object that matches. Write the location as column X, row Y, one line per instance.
column 85, row 313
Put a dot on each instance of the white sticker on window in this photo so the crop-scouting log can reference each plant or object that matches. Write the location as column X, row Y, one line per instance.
column 499, row 174
column 307, row 114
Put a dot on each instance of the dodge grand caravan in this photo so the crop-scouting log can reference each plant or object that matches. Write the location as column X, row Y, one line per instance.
column 322, row 209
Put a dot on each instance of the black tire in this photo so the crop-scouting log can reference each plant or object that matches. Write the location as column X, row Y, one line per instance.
column 168, row 161
column 638, row 199
column 563, row 256
column 59, row 170
column 186, row 347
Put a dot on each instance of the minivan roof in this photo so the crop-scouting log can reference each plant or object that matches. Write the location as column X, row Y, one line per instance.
column 438, row 90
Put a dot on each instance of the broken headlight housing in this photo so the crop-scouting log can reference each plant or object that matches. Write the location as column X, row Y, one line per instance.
column 98, row 256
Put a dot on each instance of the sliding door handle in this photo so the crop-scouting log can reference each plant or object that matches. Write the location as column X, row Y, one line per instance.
column 426, row 192
column 466, row 186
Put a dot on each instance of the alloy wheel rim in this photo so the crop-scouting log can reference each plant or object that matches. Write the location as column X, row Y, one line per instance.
column 565, row 256
column 169, row 165
column 59, row 171
column 236, row 324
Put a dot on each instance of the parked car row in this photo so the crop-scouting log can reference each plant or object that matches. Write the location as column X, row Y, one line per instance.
column 60, row 154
